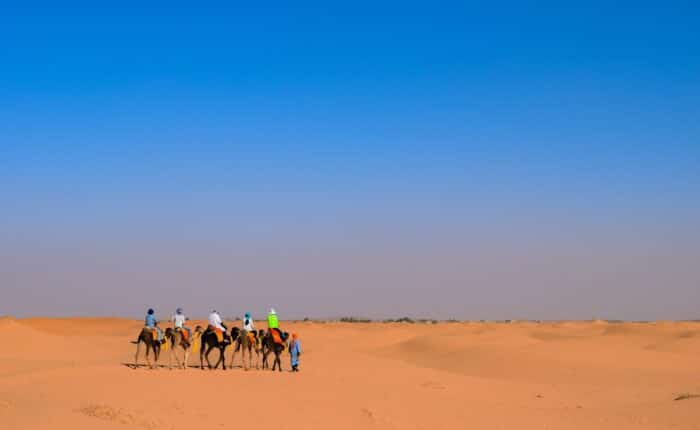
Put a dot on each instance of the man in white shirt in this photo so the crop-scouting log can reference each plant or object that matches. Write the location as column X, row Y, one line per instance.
column 215, row 322
column 179, row 320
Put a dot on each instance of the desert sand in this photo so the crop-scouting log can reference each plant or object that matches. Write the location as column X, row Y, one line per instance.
column 74, row 374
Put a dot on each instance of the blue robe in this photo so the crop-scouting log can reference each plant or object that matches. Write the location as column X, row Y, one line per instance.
column 295, row 350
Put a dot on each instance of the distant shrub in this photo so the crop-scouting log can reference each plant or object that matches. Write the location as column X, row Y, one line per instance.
column 354, row 320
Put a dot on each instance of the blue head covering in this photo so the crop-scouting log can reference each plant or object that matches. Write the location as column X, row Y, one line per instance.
column 247, row 315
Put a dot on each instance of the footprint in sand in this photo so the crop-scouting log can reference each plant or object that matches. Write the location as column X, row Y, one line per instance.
column 108, row 413
column 433, row 385
column 377, row 421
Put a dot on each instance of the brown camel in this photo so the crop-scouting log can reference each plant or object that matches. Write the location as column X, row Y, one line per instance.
column 244, row 342
column 149, row 338
column 176, row 338
column 269, row 345
column 209, row 342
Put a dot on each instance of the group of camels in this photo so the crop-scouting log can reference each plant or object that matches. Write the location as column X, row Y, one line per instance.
column 261, row 343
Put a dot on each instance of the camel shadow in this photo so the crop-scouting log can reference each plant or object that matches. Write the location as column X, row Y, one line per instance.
column 143, row 366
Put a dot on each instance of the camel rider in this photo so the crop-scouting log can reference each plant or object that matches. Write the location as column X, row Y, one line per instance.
column 273, row 323
column 179, row 320
column 152, row 323
column 215, row 322
column 248, row 323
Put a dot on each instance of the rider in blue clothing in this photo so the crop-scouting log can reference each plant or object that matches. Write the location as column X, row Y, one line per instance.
column 152, row 322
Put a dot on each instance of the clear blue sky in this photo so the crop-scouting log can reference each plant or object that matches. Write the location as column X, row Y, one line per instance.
column 429, row 159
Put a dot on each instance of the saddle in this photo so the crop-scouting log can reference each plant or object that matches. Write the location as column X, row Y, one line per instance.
column 185, row 334
column 276, row 337
column 185, row 339
column 251, row 338
column 219, row 333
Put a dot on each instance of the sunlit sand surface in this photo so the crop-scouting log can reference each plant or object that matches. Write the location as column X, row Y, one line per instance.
column 75, row 374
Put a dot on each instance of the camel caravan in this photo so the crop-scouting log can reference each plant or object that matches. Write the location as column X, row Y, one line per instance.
column 181, row 340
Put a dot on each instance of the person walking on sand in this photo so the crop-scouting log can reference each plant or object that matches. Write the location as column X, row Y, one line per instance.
column 295, row 352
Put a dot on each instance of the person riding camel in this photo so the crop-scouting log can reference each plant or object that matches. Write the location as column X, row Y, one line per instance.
column 249, row 328
column 179, row 320
column 215, row 323
column 248, row 323
column 273, row 323
column 152, row 323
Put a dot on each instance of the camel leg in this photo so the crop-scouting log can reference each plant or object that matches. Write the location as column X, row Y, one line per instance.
column 136, row 358
column 263, row 352
column 216, row 365
column 206, row 355
column 250, row 357
column 177, row 359
column 201, row 356
column 187, row 359
column 222, row 358
column 156, row 354
column 278, row 361
column 148, row 357
column 233, row 357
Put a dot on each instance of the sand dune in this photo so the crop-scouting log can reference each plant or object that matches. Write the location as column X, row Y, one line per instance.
column 72, row 373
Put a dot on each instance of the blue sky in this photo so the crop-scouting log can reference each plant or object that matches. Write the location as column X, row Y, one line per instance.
column 204, row 137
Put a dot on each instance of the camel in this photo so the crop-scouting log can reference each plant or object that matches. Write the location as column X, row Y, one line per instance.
column 269, row 345
column 175, row 338
column 148, row 337
column 244, row 342
column 209, row 342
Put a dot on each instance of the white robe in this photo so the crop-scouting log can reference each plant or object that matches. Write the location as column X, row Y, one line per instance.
column 215, row 321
